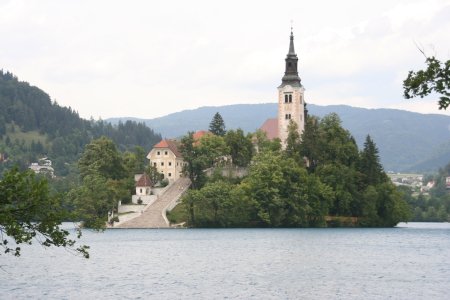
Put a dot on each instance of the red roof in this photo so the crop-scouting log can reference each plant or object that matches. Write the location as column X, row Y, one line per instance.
column 270, row 127
column 199, row 134
column 171, row 145
column 144, row 181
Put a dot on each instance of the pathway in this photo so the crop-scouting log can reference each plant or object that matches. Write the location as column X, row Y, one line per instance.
column 154, row 216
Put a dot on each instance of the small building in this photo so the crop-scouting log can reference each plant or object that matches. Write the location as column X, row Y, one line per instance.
column 43, row 166
column 167, row 159
column 144, row 186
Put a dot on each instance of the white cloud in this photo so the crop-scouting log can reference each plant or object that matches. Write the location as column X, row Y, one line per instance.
column 147, row 59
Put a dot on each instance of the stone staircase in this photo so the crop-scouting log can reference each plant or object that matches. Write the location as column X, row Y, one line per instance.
column 154, row 216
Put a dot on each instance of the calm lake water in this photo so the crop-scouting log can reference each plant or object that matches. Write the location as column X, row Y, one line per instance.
column 408, row 262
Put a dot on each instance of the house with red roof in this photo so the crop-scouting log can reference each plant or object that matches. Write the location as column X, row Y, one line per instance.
column 144, row 185
column 167, row 159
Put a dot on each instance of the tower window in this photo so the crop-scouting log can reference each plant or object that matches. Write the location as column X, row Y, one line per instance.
column 287, row 116
column 286, row 98
column 290, row 98
column 170, row 163
column 289, row 64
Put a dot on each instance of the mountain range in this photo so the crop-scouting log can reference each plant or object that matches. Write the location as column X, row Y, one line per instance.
column 407, row 141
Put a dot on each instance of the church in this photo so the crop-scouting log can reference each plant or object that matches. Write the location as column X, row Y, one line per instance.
column 291, row 101
column 167, row 159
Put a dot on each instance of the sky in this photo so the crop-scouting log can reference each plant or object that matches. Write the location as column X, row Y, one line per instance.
column 147, row 59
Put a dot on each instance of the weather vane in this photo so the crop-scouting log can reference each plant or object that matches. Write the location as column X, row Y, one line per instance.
column 292, row 24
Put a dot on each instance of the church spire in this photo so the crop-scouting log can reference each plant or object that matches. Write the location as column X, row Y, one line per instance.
column 291, row 74
column 291, row 44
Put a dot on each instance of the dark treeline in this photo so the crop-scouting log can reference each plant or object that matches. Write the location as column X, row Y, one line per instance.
column 58, row 132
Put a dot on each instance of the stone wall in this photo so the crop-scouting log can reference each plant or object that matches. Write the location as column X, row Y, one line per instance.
column 133, row 208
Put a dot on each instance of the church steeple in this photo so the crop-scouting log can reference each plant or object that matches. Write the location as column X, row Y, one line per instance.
column 291, row 97
column 291, row 74
column 291, row 45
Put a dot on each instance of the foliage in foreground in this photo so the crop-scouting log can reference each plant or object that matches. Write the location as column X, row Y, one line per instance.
column 434, row 79
column 28, row 213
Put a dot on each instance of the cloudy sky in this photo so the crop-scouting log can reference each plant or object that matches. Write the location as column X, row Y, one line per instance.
column 151, row 58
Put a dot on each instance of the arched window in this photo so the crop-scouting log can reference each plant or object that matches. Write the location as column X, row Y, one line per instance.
column 286, row 98
column 290, row 98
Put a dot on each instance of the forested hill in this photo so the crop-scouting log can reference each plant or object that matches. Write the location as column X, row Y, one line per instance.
column 407, row 141
column 32, row 125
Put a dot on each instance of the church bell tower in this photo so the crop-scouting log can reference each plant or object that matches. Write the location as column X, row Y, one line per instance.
column 290, row 96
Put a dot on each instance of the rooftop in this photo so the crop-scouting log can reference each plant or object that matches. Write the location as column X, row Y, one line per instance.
column 270, row 127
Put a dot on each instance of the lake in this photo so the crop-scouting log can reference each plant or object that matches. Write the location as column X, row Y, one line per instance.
column 411, row 261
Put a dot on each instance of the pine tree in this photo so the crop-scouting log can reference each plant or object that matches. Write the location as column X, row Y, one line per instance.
column 217, row 125
column 369, row 164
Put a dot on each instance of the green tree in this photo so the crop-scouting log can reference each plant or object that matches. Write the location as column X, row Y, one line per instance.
column 285, row 194
column 136, row 161
column 219, row 204
column 369, row 164
column 293, row 148
column 344, row 182
column 195, row 163
column 93, row 200
column 309, row 146
column 217, row 125
column 434, row 79
column 29, row 213
column 104, row 182
column 101, row 157
column 391, row 207
column 240, row 146
column 263, row 144
column 335, row 144
column 153, row 174
column 211, row 149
